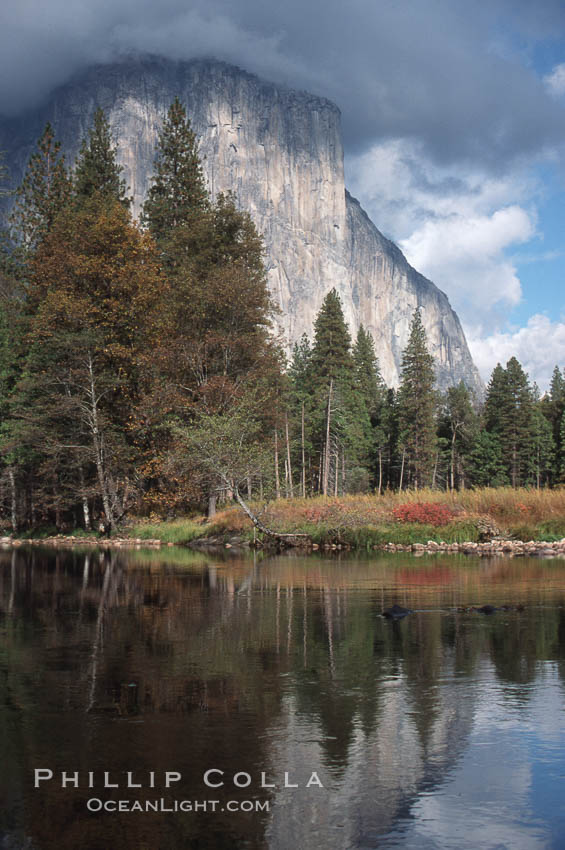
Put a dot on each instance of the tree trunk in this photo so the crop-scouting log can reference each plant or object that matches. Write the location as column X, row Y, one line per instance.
column 402, row 470
column 380, row 471
column 290, row 485
column 303, row 458
column 32, row 505
column 212, row 499
column 13, row 500
column 99, row 452
column 259, row 525
column 328, row 452
column 85, row 509
column 435, row 471
column 336, row 482
column 277, row 480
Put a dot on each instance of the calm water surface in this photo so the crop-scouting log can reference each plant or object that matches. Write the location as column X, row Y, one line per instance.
column 443, row 730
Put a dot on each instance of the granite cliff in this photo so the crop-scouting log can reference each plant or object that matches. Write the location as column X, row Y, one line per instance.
column 281, row 152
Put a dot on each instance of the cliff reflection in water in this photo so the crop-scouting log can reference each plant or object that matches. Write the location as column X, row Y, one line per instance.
column 149, row 662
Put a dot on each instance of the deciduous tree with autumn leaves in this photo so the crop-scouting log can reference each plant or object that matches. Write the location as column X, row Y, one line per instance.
column 129, row 332
column 139, row 370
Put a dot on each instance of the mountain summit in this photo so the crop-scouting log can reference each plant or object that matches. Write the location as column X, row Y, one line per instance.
column 281, row 152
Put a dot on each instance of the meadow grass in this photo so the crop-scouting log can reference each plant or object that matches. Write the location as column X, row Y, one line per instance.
column 367, row 520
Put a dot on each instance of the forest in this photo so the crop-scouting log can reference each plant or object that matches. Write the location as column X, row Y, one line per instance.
column 141, row 373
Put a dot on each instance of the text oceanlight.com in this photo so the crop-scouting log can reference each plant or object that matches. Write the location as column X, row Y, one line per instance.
column 94, row 804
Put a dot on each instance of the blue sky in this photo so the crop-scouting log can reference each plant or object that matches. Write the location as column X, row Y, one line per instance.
column 453, row 117
column 541, row 263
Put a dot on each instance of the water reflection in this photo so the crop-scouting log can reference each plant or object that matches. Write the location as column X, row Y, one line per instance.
column 444, row 729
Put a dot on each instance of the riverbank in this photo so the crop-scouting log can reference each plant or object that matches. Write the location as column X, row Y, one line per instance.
column 483, row 522
column 499, row 517
column 508, row 548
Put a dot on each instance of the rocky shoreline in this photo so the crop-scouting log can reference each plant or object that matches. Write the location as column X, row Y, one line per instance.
column 68, row 541
column 508, row 548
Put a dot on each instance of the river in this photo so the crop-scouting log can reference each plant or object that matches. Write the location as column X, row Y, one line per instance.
column 264, row 702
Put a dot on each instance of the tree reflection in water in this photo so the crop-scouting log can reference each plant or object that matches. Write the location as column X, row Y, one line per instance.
column 145, row 661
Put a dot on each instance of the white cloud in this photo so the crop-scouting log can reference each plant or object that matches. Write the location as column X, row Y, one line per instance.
column 539, row 347
column 456, row 225
column 464, row 256
column 460, row 227
column 555, row 81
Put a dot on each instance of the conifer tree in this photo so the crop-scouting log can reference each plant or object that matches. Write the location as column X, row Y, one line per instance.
column 485, row 465
column 459, row 424
column 97, row 172
column 496, row 398
column 542, row 457
column 332, row 370
column 557, row 387
column 416, row 404
column 300, row 369
column 178, row 193
column 331, row 351
column 552, row 406
column 391, row 455
column 509, row 410
column 95, row 305
column 368, row 376
column 302, row 408
column 97, row 296
column 219, row 311
column 561, row 468
column 372, row 389
column 42, row 194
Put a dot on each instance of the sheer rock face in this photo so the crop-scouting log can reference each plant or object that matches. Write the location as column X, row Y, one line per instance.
column 281, row 152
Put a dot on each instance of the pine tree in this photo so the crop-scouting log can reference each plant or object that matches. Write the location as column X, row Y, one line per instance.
column 417, row 404
column 557, row 387
column 331, row 352
column 12, row 354
column 6, row 258
column 496, row 398
column 372, row 389
column 509, row 409
column 96, row 297
column 459, row 424
column 552, row 406
column 485, row 466
column 220, row 309
column 97, row 172
column 42, row 194
column 302, row 409
column 300, row 369
column 391, row 455
column 561, row 468
column 178, row 192
column 543, row 455
column 334, row 416
column 368, row 376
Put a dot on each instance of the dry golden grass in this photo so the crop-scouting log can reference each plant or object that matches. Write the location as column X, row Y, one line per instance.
column 369, row 518
column 504, row 505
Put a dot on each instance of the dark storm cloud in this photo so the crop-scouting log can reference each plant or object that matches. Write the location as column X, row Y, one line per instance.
column 445, row 72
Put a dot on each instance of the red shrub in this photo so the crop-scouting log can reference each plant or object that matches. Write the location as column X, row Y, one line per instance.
column 426, row 513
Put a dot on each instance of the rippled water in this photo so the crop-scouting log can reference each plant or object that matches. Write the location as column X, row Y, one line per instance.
column 443, row 730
